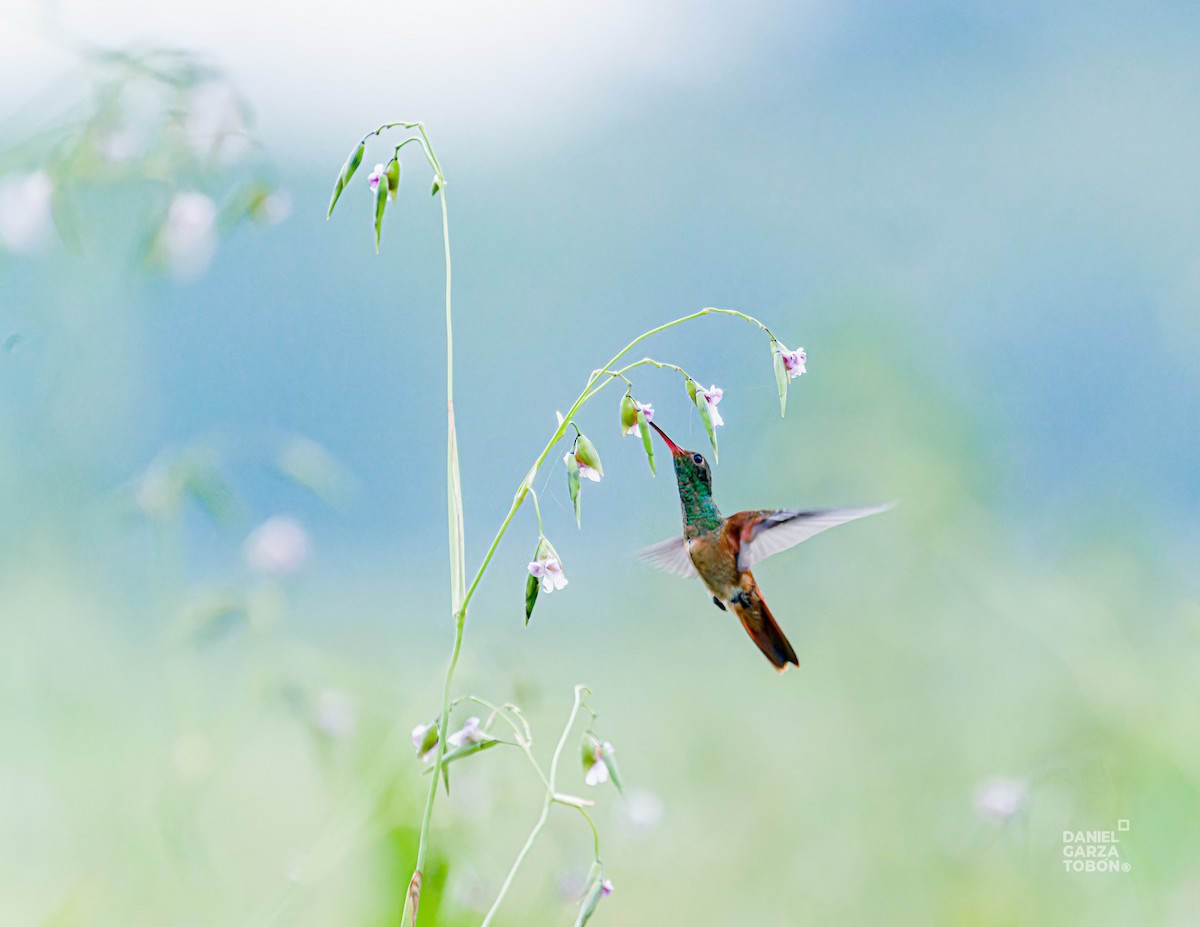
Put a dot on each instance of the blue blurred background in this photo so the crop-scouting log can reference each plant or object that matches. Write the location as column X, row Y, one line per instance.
column 979, row 220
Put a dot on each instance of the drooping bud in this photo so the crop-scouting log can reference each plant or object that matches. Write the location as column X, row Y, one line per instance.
column 572, row 463
column 643, row 425
column 587, row 455
column 628, row 413
column 381, row 198
column 704, row 407
column 437, row 185
column 691, row 387
column 393, row 178
column 348, row 168
column 781, row 375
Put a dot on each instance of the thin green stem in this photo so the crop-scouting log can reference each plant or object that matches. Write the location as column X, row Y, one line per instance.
column 581, row 693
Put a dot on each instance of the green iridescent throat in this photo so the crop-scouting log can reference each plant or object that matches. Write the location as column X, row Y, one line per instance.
column 695, row 496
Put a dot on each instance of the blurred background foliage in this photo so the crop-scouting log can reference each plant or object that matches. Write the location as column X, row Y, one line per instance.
column 222, row 580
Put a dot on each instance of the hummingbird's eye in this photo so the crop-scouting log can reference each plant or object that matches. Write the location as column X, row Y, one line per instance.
column 698, row 458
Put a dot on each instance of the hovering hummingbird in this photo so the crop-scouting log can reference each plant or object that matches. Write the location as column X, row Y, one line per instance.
column 721, row 550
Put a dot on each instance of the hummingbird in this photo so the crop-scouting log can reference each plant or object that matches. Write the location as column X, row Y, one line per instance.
column 722, row 550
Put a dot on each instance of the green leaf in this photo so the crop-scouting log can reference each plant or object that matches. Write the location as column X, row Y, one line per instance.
column 347, row 171
column 588, row 908
column 532, row 586
column 644, row 428
column 781, row 376
column 706, row 417
column 573, row 485
column 381, row 198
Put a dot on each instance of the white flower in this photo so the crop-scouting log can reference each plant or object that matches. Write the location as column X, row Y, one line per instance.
column 278, row 546
column 421, row 738
column 644, row 810
column 374, row 177
column 334, row 714
column 999, row 800
column 793, row 361
column 275, row 207
column 606, row 888
column 647, row 410
column 26, row 222
column 549, row 571
column 585, row 472
column 189, row 236
column 712, row 396
column 598, row 771
column 469, row 734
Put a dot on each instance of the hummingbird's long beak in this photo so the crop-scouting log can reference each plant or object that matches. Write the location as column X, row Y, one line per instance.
column 675, row 448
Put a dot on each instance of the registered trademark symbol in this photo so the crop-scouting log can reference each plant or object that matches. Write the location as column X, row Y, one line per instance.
column 1125, row 867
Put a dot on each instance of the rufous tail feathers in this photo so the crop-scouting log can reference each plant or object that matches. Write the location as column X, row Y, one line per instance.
column 760, row 624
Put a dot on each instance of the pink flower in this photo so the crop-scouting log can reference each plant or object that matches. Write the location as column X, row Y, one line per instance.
column 549, row 571
column 598, row 771
column 712, row 396
column 606, row 888
column 793, row 361
column 647, row 410
column 470, row 733
column 374, row 177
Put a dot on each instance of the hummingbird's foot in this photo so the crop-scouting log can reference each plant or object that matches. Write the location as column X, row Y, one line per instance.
column 742, row 599
column 717, row 602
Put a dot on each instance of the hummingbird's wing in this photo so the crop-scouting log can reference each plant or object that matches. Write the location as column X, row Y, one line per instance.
column 670, row 556
column 764, row 533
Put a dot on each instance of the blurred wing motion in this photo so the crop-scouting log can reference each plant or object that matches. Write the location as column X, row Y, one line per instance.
column 670, row 556
column 765, row 533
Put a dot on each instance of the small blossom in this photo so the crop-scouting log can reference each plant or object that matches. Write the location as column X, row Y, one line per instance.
column 586, row 472
column 606, row 888
column 712, row 396
column 999, row 800
column 793, row 361
column 647, row 410
column 334, row 714
column 189, row 236
column 26, row 222
column 274, row 207
column 549, row 571
column 598, row 771
column 278, row 546
column 469, row 734
column 374, row 177
column 425, row 739
column 644, row 810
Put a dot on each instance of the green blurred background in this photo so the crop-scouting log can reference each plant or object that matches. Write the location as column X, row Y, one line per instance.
column 980, row 221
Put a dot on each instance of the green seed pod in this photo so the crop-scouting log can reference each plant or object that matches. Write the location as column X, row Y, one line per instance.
column 393, row 178
column 781, row 376
column 690, row 384
column 628, row 413
column 437, row 185
column 573, row 485
column 706, row 416
column 587, row 454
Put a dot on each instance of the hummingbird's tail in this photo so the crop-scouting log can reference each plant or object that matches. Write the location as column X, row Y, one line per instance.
column 760, row 624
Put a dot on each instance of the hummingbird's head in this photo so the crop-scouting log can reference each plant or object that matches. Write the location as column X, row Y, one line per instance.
column 691, row 469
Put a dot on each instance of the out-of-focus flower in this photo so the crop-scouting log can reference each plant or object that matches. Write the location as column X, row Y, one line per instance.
column 712, row 396
column 26, row 223
column 606, row 887
column 189, row 236
column 644, row 810
column 586, row 472
column 425, row 739
column 470, row 733
column 374, row 177
column 334, row 714
column 1000, row 800
column 647, row 410
column 597, row 770
column 278, row 546
column 793, row 361
column 549, row 571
